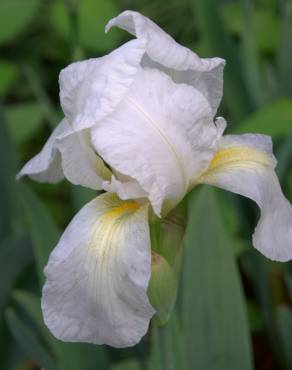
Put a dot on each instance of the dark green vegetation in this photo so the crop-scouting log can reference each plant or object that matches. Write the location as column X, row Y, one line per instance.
column 234, row 309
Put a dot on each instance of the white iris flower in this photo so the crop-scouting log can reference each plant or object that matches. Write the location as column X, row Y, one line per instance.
column 147, row 111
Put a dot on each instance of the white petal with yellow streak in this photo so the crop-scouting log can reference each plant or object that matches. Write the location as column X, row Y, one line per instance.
column 245, row 165
column 97, row 276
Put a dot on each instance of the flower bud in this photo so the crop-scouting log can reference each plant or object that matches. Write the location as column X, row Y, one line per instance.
column 162, row 288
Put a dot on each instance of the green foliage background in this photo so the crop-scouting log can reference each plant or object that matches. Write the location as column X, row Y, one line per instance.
column 234, row 307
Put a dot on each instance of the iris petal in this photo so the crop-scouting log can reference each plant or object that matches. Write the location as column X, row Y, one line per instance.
column 91, row 89
column 70, row 154
column 245, row 165
column 154, row 135
column 97, row 276
column 81, row 165
column 46, row 166
column 183, row 65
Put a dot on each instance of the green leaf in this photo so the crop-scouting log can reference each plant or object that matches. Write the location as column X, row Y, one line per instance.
column 214, row 319
column 274, row 119
column 28, row 340
column 15, row 17
column 263, row 19
column 8, row 74
column 31, row 304
column 262, row 273
column 250, row 55
column 7, row 180
column 24, row 120
column 213, row 31
column 59, row 18
column 284, row 157
column 284, row 57
column 231, row 219
column 156, row 355
column 167, row 346
column 81, row 196
column 284, row 321
column 76, row 356
column 126, row 365
column 231, row 13
column 266, row 41
column 43, row 231
column 288, row 281
column 11, row 265
column 35, row 83
column 93, row 17
column 69, row 356
column 256, row 321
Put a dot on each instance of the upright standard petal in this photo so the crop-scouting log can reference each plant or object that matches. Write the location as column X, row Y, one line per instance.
column 245, row 165
column 183, row 65
column 91, row 89
column 97, row 276
column 46, row 166
column 162, row 134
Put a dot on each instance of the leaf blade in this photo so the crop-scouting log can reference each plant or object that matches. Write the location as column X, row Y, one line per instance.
column 44, row 232
column 213, row 314
column 274, row 120
column 28, row 341
column 219, row 42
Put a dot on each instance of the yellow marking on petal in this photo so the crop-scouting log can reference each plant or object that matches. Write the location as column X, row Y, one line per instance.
column 102, row 170
column 124, row 208
column 234, row 157
column 108, row 239
column 238, row 155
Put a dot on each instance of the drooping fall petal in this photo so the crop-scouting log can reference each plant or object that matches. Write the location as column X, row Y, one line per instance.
column 245, row 164
column 97, row 276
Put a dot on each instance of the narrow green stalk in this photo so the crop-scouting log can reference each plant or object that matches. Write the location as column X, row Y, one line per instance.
column 161, row 351
column 165, row 345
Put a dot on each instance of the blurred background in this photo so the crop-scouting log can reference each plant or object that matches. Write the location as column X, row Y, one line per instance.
column 234, row 310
